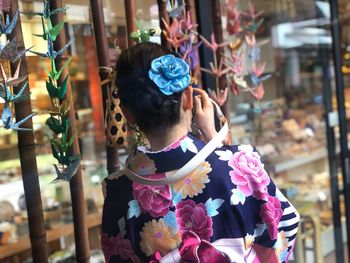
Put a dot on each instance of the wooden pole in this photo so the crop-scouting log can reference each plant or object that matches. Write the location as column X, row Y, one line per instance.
column 163, row 14
column 103, row 60
column 26, row 148
column 130, row 15
column 217, row 29
column 76, row 184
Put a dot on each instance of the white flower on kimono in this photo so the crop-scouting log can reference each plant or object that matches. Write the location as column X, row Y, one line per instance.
column 187, row 144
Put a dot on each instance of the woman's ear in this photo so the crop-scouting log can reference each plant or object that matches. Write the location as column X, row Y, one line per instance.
column 128, row 115
column 187, row 98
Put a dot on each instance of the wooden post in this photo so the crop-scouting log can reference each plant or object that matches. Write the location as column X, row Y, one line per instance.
column 26, row 148
column 217, row 29
column 76, row 184
column 103, row 60
column 163, row 14
column 130, row 15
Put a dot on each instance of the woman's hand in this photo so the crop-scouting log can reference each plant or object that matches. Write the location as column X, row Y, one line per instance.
column 204, row 114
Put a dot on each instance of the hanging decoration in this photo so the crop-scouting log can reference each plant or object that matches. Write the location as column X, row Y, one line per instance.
column 241, row 63
column 142, row 35
column 242, row 28
column 115, row 122
column 58, row 122
column 9, row 51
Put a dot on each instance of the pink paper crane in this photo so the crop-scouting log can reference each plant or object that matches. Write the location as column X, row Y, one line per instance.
column 258, row 92
column 213, row 45
column 235, row 63
column 174, row 34
column 220, row 97
column 251, row 12
column 186, row 23
column 250, row 40
column 233, row 25
column 233, row 87
column 258, row 69
column 216, row 71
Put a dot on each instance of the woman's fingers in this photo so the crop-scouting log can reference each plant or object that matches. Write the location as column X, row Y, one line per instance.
column 204, row 98
column 197, row 104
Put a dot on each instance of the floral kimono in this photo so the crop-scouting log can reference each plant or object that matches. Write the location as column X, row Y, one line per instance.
column 228, row 202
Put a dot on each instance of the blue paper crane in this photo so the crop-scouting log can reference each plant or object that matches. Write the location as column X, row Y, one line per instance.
column 6, row 94
column 8, row 26
column 7, row 119
column 51, row 53
column 255, row 80
column 67, row 174
column 47, row 13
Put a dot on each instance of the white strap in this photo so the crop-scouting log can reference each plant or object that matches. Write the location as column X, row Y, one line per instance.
column 188, row 167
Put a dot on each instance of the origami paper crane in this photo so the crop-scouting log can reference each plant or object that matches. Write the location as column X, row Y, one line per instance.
column 233, row 25
column 68, row 173
column 239, row 80
column 6, row 94
column 255, row 80
column 12, row 81
column 258, row 92
column 142, row 35
column 47, row 12
column 51, row 53
column 174, row 10
column 10, row 51
column 251, row 12
column 174, row 34
column 7, row 119
column 235, row 63
column 233, row 87
column 186, row 23
column 8, row 26
column 255, row 51
column 52, row 31
column 189, row 52
column 213, row 45
column 219, row 97
column 216, row 71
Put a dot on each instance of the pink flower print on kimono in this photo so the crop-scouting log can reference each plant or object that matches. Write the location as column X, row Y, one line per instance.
column 271, row 213
column 118, row 246
column 155, row 200
column 248, row 173
column 194, row 217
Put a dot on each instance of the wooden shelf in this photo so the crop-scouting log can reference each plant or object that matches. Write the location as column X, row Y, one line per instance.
column 23, row 243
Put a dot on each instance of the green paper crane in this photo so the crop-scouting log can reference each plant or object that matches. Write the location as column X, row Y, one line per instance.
column 58, row 122
column 142, row 35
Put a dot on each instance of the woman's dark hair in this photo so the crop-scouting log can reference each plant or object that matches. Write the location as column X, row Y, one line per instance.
column 149, row 106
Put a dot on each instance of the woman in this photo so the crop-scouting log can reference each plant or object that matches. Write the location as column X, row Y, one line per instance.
column 227, row 209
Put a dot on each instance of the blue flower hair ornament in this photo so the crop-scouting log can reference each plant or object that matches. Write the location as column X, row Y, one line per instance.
column 170, row 74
